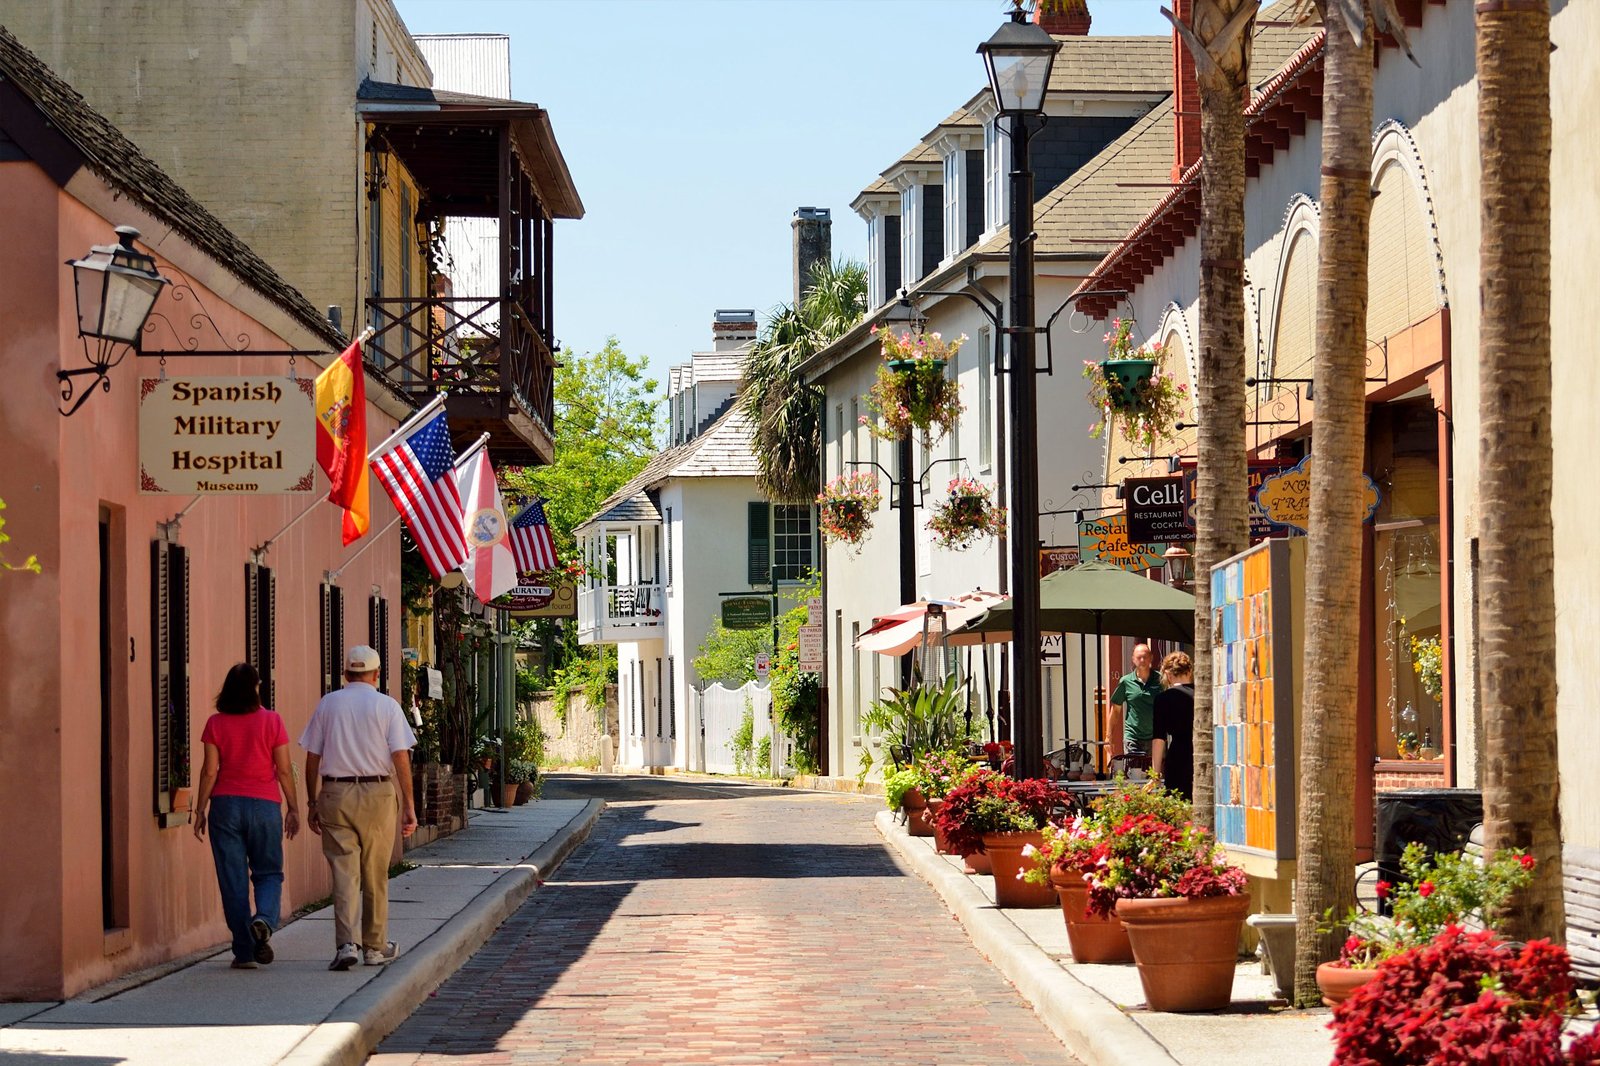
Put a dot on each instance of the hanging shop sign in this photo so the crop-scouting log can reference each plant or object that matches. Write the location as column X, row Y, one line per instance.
column 810, row 650
column 252, row 435
column 1156, row 510
column 1260, row 470
column 1106, row 539
column 746, row 612
column 533, row 598
column 1285, row 499
column 1061, row 557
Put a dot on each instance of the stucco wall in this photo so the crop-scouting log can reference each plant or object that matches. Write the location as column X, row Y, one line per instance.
column 58, row 475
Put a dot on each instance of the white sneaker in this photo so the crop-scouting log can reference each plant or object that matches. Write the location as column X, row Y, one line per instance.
column 348, row 955
column 390, row 952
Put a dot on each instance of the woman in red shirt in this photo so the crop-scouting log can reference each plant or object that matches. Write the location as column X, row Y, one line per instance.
column 245, row 777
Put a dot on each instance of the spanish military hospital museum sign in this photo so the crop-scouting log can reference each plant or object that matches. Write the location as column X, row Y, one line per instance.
column 226, row 435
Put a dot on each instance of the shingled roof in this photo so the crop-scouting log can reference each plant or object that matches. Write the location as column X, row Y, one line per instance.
column 1138, row 65
column 116, row 160
column 723, row 450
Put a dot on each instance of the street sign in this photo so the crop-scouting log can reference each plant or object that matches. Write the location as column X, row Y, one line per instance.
column 814, row 611
column 811, row 649
column 1052, row 649
column 746, row 612
column 763, row 665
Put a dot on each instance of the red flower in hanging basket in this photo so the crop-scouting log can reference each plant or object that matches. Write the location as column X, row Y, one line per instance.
column 966, row 514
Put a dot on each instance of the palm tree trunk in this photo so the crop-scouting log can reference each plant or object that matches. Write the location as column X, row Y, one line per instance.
column 1325, row 836
column 1517, row 638
column 1222, row 515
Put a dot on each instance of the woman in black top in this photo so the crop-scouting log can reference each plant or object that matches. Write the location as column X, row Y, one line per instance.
column 1172, row 748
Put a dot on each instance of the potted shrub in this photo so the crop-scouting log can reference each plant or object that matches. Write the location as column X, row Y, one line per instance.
column 966, row 514
column 1071, row 853
column 1132, row 382
column 1182, row 904
column 520, row 777
column 902, row 790
column 993, row 814
column 912, row 391
column 1465, row 997
column 845, row 507
column 178, row 795
column 1451, row 889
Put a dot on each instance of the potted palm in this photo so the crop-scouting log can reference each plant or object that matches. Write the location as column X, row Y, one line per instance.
column 912, row 391
column 845, row 508
column 967, row 513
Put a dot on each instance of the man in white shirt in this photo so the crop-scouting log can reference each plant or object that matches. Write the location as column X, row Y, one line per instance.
column 358, row 759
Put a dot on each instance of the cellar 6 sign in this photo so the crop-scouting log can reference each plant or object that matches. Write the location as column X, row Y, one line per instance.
column 1156, row 510
column 252, row 435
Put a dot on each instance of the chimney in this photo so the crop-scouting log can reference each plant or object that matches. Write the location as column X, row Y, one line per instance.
column 1185, row 96
column 1063, row 18
column 732, row 330
column 813, row 243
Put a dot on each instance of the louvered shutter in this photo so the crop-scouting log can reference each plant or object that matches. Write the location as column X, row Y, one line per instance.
column 760, row 544
column 336, row 637
column 177, row 612
column 325, row 632
column 161, row 670
column 378, row 636
column 267, row 667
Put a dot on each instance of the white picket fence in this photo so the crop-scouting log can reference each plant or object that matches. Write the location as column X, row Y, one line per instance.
column 720, row 711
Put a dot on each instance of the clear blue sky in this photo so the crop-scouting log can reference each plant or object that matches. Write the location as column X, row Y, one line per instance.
column 694, row 128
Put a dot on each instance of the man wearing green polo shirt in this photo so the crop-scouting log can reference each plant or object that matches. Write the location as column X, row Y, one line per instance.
column 1133, row 706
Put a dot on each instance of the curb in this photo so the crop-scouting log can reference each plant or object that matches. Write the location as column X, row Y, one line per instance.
column 1092, row 1027
column 353, row 1030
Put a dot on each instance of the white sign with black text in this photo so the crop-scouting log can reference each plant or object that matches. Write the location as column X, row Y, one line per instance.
column 253, row 435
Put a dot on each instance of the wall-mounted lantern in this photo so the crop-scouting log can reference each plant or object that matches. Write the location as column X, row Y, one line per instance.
column 116, row 286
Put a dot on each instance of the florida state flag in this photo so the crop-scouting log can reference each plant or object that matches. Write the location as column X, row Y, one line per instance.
column 342, row 438
column 490, row 568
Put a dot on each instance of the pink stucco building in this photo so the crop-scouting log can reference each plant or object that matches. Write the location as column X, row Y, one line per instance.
column 101, row 875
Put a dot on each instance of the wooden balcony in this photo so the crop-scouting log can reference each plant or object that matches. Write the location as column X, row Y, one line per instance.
column 487, row 353
column 615, row 614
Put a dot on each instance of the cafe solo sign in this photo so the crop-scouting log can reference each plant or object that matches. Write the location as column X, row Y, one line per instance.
column 1160, row 510
column 249, row 435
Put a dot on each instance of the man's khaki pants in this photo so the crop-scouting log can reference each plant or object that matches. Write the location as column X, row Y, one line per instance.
column 357, row 839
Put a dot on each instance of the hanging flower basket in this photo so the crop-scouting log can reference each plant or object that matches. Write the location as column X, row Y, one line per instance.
column 1134, row 384
column 846, row 506
column 912, row 391
column 966, row 514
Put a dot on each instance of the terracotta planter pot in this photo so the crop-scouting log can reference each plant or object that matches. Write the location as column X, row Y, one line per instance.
column 1093, row 939
column 1186, row 949
column 916, row 808
column 525, row 792
column 1339, row 983
column 1010, row 890
column 977, row 863
column 941, row 843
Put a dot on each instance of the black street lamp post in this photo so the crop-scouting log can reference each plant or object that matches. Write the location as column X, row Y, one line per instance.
column 1018, row 59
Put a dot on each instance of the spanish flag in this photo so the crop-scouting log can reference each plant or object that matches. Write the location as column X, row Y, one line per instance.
column 342, row 438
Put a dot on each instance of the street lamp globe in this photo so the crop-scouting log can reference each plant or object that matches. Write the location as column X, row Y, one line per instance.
column 1018, row 59
column 116, row 286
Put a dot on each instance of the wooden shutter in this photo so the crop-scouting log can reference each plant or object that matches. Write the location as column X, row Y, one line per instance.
column 378, row 636
column 672, row 698
column 161, row 670
column 760, row 544
column 178, row 574
column 260, row 626
column 332, row 628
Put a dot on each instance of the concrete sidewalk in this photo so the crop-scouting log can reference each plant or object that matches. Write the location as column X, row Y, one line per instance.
column 295, row 1011
column 1098, row 1011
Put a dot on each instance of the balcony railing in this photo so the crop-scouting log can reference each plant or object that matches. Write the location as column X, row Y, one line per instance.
column 482, row 346
column 607, row 613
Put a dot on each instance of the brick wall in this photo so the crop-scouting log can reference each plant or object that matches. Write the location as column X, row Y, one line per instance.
column 1394, row 775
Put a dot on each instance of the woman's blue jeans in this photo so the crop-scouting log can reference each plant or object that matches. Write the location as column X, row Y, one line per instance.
column 247, row 846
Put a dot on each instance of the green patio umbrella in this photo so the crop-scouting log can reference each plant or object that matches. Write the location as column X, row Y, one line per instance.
column 1095, row 598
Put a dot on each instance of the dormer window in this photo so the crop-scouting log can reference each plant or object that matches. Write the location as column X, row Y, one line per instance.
column 996, row 193
column 921, row 228
column 882, row 214
column 963, row 190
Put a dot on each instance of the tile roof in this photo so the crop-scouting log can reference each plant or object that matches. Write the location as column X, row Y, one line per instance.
column 117, row 161
column 714, row 366
column 723, row 450
column 1112, row 65
column 1103, row 199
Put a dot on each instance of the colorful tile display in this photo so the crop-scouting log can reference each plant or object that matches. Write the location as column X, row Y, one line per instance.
column 1252, row 686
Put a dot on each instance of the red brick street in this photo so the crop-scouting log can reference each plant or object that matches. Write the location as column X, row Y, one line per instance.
column 726, row 923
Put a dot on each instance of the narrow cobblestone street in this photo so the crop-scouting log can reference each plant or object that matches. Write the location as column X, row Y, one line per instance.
column 726, row 923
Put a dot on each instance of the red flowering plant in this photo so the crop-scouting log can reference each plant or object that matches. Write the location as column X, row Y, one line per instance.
column 1150, row 406
column 1080, row 845
column 912, row 390
column 990, row 802
column 1463, row 998
column 998, row 752
column 967, row 514
column 1451, row 888
column 845, row 507
column 1148, row 858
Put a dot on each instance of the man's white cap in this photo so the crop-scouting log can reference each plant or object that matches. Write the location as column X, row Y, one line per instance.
column 361, row 660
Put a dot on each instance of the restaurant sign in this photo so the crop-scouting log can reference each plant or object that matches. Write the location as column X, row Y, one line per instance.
column 746, row 612
column 250, row 435
column 533, row 598
column 1285, row 499
column 1259, row 472
column 1106, row 539
column 1156, row 512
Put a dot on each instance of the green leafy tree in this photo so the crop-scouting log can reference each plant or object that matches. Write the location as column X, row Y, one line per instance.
column 729, row 655
column 30, row 563
column 784, row 408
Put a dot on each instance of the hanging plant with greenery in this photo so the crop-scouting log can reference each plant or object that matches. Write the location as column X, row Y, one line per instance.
column 846, row 506
column 967, row 514
column 1134, row 383
column 912, row 391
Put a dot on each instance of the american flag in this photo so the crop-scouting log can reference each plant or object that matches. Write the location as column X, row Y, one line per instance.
column 530, row 540
column 418, row 473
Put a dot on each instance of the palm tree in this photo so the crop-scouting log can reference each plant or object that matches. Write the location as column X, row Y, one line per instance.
column 784, row 408
column 1219, row 40
column 1325, row 834
column 1517, row 628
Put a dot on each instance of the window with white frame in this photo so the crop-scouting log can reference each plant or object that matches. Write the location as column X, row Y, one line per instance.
column 985, row 402
column 910, row 228
column 874, row 259
column 954, row 191
column 854, row 429
column 791, row 541
column 995, row 197
column 838, row 439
